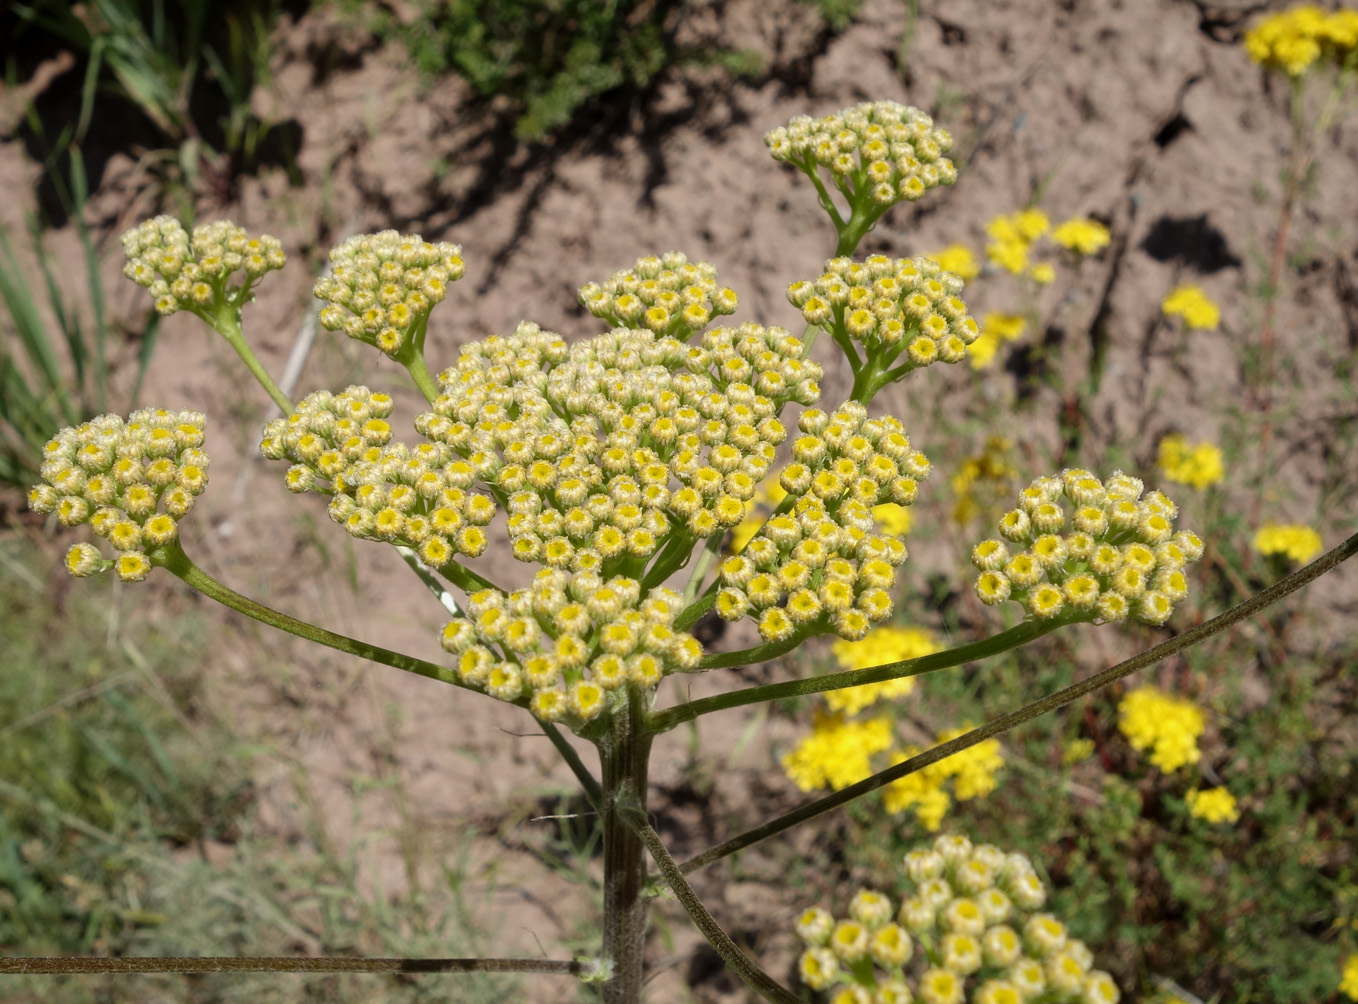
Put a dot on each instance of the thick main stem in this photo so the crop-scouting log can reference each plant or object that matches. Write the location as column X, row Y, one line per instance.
column 623, row 757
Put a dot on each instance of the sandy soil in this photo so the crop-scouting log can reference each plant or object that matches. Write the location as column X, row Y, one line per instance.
column 1143, row 113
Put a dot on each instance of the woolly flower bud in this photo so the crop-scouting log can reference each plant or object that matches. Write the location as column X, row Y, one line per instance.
column 895, row 150
column 1123, row 558
column 382, row 286
column 124, row 479
column 668, row 295
column 198, row 273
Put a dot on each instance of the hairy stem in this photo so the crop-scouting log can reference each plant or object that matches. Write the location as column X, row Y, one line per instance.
column 624, row 754
column 1060, row 699
column 227, row 324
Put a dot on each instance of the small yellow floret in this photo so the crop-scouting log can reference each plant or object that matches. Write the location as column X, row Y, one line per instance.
column 1295, row 542
column 1193, row 305
column 1168, row 726
column 1216, row 805
column 1082, row 235
column 1197, row 466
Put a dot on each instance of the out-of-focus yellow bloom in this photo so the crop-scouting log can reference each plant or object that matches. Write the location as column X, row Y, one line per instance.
column 1215, row 805
column 1081, row 235
column 1012, row 235
column 1349, row 984
column 837, row 752
column 982, row 480
column 1168, row 726
column 973, row 772
column 1042, row 273
column 995, row 330
column 881, row 646
column 1293, row 40
column 893, row 519
column 765, row 499
column 1299, row 543
column 1198, row 466
column 1194, row 306
column 958, row 259
column 1077, row 750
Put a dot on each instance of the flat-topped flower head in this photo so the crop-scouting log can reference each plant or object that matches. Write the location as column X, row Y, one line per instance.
column 984, row 945
column 821, row 564
column 1295, row 542
column 880, row 150
column 131, row 481
column 382, row 287
column 1295, row 39
column 668, row 295
column 1168, row 726
column 902, row 311
column 1198, row 465
column 214, row 268
column 1085, row 549
column 1082, row 235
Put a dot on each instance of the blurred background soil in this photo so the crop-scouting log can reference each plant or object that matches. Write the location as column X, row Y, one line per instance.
column 1144, row 114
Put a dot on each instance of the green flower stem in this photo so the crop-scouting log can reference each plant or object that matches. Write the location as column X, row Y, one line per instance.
column 173, row 558
column 746, row 968
column 593, row 792
column 624, row 755
column 445, row 598
column 665, row 720
column 87, row 966
column 812, row 170
column 411, row 357
column 227, row 324
column 1051, row 702
column 696, row 609
column 464, row 578
column 701, row 566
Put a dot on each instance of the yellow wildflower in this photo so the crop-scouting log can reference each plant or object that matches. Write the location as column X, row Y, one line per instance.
column 1012, row 235
column 837, row 752
column 1198, row 466
column 1298, row 543
column 995, row 330
column 1293, row 40
column 1349, row 984
column 879, row 647
column 1216, row 805
column 1193, row 305
column 1042, row 273
column 893, row 519
column 982, row 479
column 1081, row 235
column 1031, row 224
column 972, row 772
column 958, row 259
column 1168, row 726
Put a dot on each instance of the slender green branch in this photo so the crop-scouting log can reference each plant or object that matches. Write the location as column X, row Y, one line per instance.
column 1051, row 702
column 173, row 558
column 464, row 578
column 592, row 790
column 412, row 558
column 828, row 204
column 690, row 614
column 227, row 324
column 746, row 968
column 701, row 566
column 974, row 651
column 751, row 656
column 286, row 964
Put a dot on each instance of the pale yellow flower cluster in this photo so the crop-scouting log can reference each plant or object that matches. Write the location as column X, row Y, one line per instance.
column 382, row 287
column 972, row 910
column 668, row 295
column 1167, row 726
column 1122, row 557
column 132, row 482
column 215, row 268
column 890, row 151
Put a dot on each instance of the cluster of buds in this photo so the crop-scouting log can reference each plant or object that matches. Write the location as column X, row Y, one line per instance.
column 979, row 940
column 569, row 642
column 818, row 565
column 382, row 287
column 583, row 442
column 885, row 151
column 132, row 482
column 198, row 273
column 890, row 306
column 669, row 295
column 1122, row 556
column 340, row 445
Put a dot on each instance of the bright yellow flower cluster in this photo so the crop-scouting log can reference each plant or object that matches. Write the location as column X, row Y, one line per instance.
column 996, row 329
column 957, row 259
column 879, row 647
column 382, row 287
column 890, row 306
column 1348, row 985
column 1122, row 558
column 973, row 911
column 889, row 151
column 196, row 273
column 1167, row 726
column 132, row 482
column 1194, row 306
column 668, row 295
column 1197, row 466
column 972, row 773
column 1292, row 40
column 417, row 497
column 1012, row 236
column 981, row 480
column 1215, row 805
column 1294, row 542
column 1082, row 235
column 837, row 752
column 820, row 566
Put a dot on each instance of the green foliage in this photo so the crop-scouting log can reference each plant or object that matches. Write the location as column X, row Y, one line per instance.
column 53, row 373
column 548, row 57
column 838, row 14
